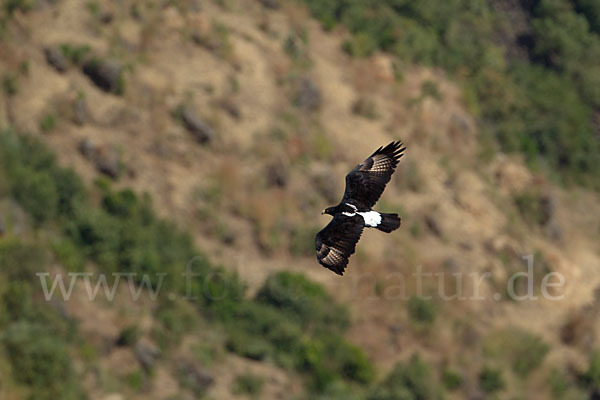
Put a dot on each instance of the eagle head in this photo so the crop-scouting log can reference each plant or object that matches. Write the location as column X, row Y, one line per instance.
column 328, row 210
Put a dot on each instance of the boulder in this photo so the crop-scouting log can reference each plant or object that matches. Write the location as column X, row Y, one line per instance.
column 231, row 107
column 107, row 161
column 146, row 354
column 272, row 4
column 80, row 111
column 197, row 127
column 308, row 95
column 548, row 204
column 105, row 158
column 87, row 148
column 277, row 174
column 195, row 378
column 106, row 74
column 433, row 225
column 56, row 59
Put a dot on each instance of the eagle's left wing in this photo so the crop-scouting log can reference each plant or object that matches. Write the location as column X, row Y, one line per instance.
column 366, row 182
column 337, row 241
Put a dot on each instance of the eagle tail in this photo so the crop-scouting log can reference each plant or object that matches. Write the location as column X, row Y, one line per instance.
column 389, row 223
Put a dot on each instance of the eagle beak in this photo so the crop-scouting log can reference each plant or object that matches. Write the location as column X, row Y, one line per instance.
column 323, row 212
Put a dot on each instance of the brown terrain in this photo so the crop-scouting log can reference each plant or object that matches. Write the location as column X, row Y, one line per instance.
column 283, row 129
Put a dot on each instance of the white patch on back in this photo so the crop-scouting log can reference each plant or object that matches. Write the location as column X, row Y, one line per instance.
column 349, row 214
column 372, row 218
column 352, row 206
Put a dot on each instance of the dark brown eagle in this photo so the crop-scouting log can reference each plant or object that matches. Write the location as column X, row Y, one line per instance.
column 364, row 185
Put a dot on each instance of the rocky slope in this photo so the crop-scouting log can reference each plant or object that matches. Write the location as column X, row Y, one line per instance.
column 241, row 119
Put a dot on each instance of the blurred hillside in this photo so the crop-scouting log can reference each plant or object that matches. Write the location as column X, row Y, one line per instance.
column 147, row 137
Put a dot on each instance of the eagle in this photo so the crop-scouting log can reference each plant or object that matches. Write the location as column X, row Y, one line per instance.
column 364, row 185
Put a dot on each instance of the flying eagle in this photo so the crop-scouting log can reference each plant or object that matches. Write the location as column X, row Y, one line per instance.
column 364, row 185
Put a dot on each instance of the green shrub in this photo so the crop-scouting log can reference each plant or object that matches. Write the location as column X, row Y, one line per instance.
column 17, row 302
column 523, row 350
column 254, row 348
column 360, row 45
column 42, row 188
column 339, row 390
column 591, row 377
column 10, row 84
column 332, row 358
column 68, row 255
column 303, row 300
column 421, row 311
column 70, row 189
column 255, row 325
column 590, row 9
column 48, row 123
column 248, row 384
column 451, row 379
column 558, row 383
column 10, row 6
column 413, row 380
column 490, row 380
column 295, row 323
column 430, row 89
column 37, row 193
column 20, row 261
column 41, row 361
column 174, row 318
column 136, row 380
column 529, row 205
column 75, row 53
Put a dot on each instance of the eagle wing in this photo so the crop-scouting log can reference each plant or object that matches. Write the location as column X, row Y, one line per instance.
column 366, row 182
column 337, row 241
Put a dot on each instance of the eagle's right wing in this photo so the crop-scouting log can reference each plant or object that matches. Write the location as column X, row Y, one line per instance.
column 366, row 182
column 337, row 242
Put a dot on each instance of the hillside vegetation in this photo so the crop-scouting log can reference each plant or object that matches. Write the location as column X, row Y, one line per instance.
column 529, row 70
column 184, row 149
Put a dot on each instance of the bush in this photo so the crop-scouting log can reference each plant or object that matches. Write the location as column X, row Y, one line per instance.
column 451, row 379
column 591, row 377
column 36, row 192
column 330, row 359
column 37, row 183
column 248, row 384
column 256, row 326
column 21, row 261
column 173, row 320
column 304, row 301
column 412, row 380
column 421, row 311
column 10, row 6
column 17, row 302
column 295, row 323
column 41, row 361
column 75, row 53
column 48, row 123
column 68, row 255
column 490, row 380
column 590, row 9
column 523, row 350
column 254, row 348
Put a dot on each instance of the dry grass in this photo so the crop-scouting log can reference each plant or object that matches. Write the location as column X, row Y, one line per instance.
column 440, row 173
